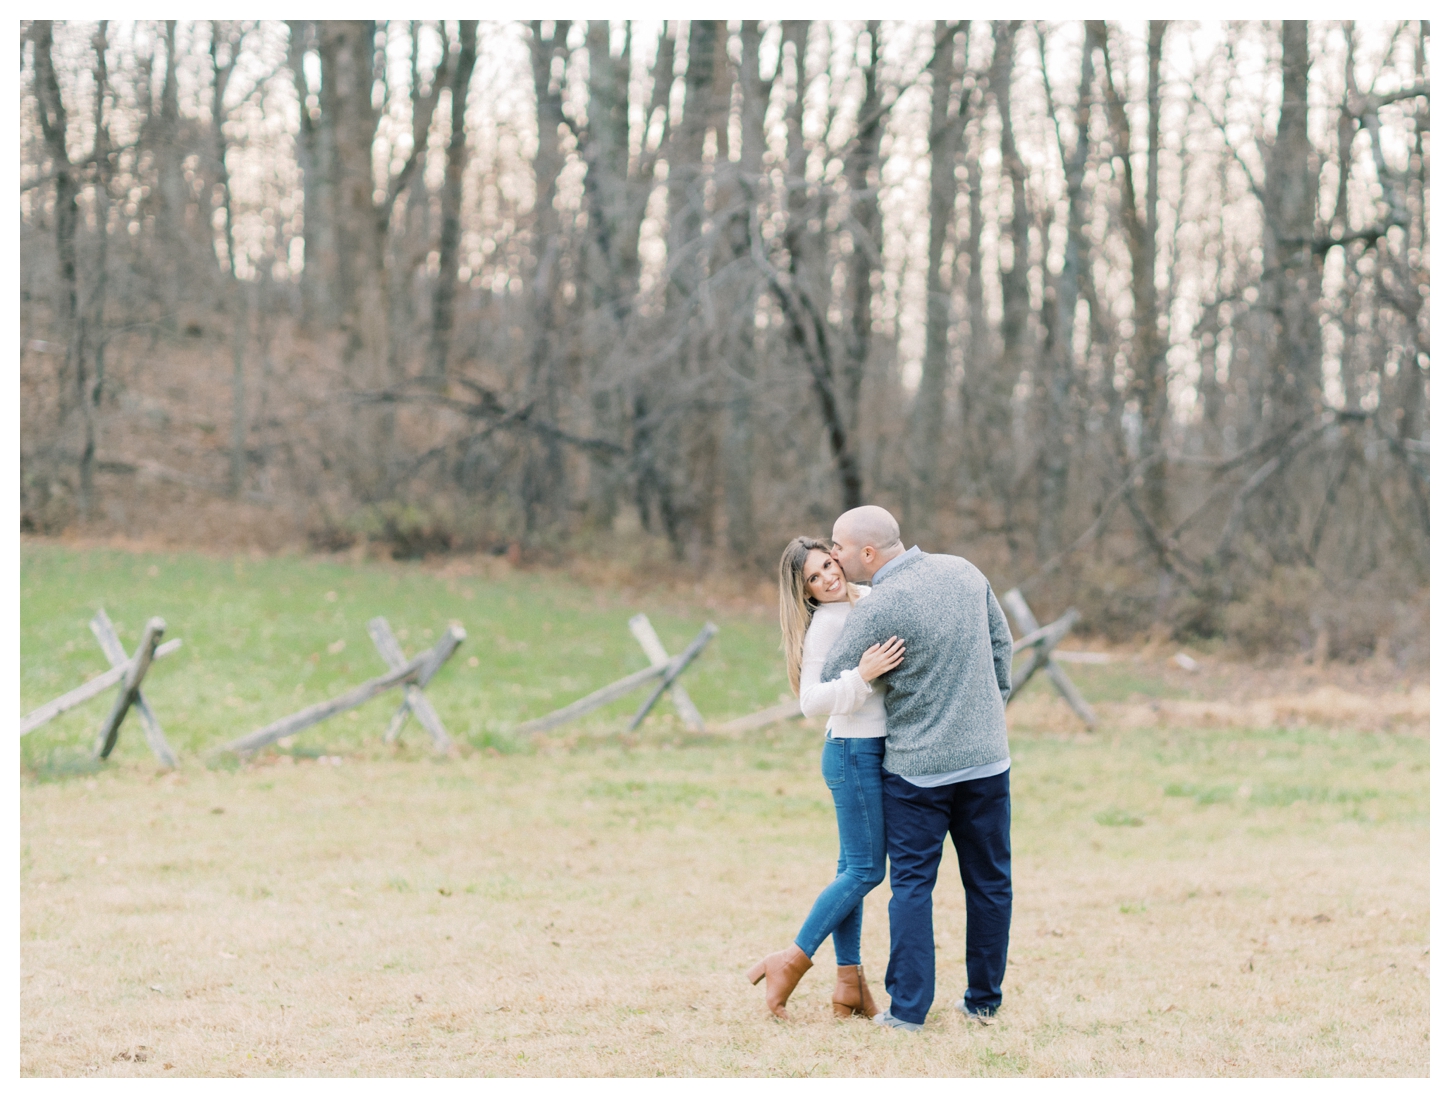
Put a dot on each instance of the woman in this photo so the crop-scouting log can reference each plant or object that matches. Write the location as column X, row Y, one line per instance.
column 814, row 601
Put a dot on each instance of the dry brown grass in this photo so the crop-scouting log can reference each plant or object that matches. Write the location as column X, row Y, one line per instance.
column 1323, row 706
column 593, row 913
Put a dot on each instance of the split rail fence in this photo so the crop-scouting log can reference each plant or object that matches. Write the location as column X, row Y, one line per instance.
column 663, row 675
column 413, row 675
column 129, row 672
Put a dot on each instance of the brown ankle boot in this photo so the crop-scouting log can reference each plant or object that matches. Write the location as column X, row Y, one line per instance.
column 781, row 972
column 852, row 996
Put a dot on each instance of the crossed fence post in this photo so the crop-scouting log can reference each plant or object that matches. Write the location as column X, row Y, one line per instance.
column 106, row 737
column 1040, row 640
column 414, row 700
column 649, row 640
column 129, row 671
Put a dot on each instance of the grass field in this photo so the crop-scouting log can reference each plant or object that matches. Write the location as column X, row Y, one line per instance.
column 1191, row 899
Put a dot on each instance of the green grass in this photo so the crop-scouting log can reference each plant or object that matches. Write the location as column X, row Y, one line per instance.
column 264, row 638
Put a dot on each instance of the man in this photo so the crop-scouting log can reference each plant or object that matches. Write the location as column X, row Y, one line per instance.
column 946, row 763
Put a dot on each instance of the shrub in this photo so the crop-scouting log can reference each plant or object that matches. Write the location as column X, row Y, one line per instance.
column 1275, row 615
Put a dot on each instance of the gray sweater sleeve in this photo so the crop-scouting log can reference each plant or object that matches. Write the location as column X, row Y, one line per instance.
column 859, row 634
column 1001, row 644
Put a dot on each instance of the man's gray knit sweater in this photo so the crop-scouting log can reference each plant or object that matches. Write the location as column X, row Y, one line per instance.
column 945, row 703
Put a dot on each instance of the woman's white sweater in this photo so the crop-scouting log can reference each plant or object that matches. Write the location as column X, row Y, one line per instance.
column 856, row 710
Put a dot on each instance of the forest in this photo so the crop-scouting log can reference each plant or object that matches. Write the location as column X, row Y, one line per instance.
column 1132, row 314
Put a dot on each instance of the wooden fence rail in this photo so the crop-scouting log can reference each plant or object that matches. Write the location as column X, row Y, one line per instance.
column 668, row 672
column 85, row 692
column 409, row 672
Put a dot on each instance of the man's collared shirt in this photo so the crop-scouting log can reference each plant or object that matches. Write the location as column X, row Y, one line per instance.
column 895, row 563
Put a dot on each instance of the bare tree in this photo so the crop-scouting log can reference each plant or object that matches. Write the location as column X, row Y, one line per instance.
column 1016, row 335
column 55, row 126
column 1060, row 311
column 225, row 51
column 739, row 189
column 451, row 226
column 863, row 180
column 802, row 294
column 318, row 250
column 540, row 494
column 943, row 142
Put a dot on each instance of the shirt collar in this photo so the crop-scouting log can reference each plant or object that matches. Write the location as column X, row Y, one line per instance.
column 895, row 563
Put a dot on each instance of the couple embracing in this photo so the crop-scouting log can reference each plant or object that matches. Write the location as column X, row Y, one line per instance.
column 914, row 673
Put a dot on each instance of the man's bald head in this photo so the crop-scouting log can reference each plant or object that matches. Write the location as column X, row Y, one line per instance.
column 865, row 539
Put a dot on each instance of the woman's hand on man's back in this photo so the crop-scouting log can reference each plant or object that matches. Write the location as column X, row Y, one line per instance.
column 881, row 658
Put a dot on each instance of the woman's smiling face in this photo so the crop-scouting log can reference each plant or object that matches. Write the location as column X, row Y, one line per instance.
column 824, row 581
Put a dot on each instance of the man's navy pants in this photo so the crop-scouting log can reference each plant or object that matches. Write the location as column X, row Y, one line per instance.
column 978, row 816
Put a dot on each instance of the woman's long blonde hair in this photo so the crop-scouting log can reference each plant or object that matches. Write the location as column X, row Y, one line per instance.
column 796, row 606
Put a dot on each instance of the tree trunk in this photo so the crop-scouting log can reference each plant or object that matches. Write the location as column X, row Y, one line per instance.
column 606, row 153
column 451, row 203
column 346, row 49
column 171, row 188
column 806, row 298
column 1290, row 295
column 1292, row 275
column 1016, row 300
column 863, row 175
column 319, row 255
column 647, row 479
column 545, row 470
column 235, row 290
column 1060, row 306
column 1140, row 223
column 685, row 191
column 54, row 125
column 411, row 242
column 943, row 142
column 738, row 196
column 1151, row 383
column 806, row 260
column 607, row 182
column 977, row 397
column 95, row 321
column 691, row 447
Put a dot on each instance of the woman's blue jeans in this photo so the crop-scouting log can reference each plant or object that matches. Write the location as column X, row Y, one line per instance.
column 852, row 769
